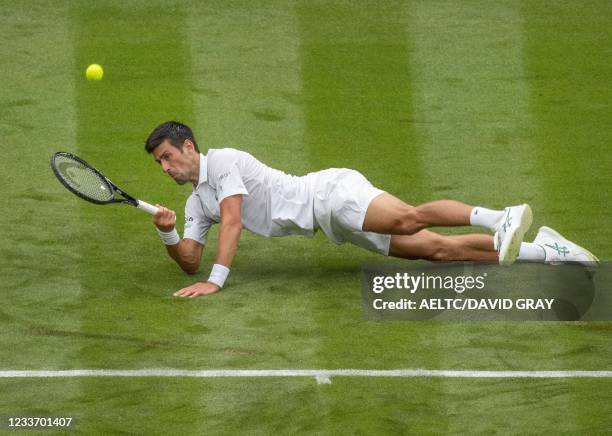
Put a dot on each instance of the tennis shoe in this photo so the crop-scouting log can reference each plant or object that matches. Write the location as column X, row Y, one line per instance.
column 510, row 232
column 560, row 250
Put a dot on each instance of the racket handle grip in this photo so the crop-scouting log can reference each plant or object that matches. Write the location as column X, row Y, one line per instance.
column 147, row 207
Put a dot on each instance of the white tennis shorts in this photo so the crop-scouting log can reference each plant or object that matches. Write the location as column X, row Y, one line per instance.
column 341, row 199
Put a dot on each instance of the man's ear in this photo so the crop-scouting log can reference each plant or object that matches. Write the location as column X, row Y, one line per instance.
column 189, row 145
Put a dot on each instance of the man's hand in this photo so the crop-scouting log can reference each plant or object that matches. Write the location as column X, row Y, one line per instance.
column 164, row 219
column 197, row 289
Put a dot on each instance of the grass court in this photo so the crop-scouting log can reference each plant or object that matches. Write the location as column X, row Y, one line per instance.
column 491, row 103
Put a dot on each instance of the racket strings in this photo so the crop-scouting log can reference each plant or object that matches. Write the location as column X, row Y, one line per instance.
column 83, row 179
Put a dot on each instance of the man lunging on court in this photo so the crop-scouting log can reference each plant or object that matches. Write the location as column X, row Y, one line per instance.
column 233, row 188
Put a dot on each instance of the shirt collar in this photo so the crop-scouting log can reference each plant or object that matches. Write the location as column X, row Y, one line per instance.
column 203, row 170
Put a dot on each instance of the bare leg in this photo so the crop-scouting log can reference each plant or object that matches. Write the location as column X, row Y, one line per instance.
column 432, row 246
column 390, row 215
column 445, row 213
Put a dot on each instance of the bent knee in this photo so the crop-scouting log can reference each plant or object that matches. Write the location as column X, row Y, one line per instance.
column 406, row 220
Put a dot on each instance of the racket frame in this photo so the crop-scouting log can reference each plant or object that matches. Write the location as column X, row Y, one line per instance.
column 113, row 189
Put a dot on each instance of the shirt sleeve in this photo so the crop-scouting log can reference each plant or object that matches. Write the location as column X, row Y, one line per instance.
column 196, row 223
column 225, row 174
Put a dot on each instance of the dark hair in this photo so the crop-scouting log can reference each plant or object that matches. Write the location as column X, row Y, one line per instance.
column 175, row 132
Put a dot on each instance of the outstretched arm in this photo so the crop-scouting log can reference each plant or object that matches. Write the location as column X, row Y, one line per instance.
column 229, row 235
column 187, row 253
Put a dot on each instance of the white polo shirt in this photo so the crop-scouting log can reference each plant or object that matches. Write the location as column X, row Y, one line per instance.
column 273, row 203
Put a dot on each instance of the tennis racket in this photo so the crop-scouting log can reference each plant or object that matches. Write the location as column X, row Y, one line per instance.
column 85, row 181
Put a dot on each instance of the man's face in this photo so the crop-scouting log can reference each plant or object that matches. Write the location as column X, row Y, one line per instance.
column 178, row 164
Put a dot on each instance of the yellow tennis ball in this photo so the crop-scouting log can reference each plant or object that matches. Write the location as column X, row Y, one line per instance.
column 94, row 72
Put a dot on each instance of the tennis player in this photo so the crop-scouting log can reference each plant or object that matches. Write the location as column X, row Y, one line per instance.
column 233, row 188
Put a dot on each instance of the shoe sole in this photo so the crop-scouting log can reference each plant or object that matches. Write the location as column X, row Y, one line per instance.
column 509, row 252
column 560, row 236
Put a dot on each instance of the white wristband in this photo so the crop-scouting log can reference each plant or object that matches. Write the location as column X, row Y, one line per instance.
column 218, row 274
column 169, row 238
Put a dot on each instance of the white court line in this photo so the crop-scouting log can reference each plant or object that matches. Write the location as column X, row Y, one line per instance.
column 322, row 376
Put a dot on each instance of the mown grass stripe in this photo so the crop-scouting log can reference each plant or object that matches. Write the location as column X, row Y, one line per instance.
column 357, row 93
column 123, row 266
column 246, row 87
column 568, row 69
column 472, row 102
column 359, row 114
column 37, row 117
column 146, row 81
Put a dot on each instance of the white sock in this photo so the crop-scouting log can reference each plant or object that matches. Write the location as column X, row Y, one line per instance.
column 531, row 252
column 481, row 216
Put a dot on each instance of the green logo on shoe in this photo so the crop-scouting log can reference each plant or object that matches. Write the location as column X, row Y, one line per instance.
column 507, row 222
column 561, row 250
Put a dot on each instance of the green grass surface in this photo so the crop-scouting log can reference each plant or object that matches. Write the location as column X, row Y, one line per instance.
column 488, row 103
